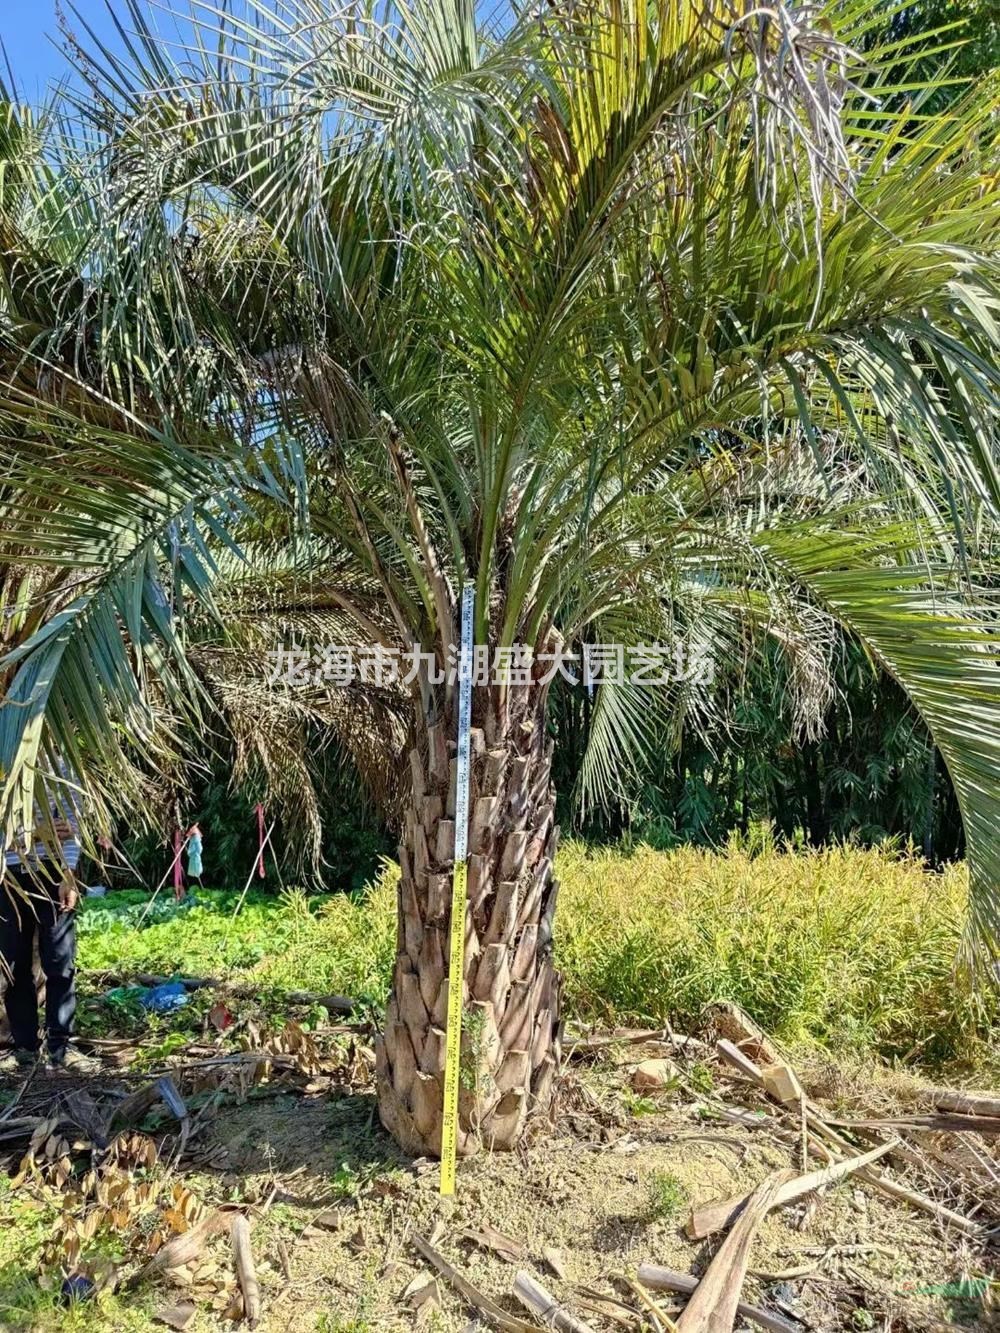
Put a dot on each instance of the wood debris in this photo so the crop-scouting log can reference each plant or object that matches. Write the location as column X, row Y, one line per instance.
column 530, row 1292
column 818, row 1134
column 712, row 1217
column 714, row 1305
column 667, row 1279
column 246, row 1273
column 495, row 1314
column 966, row 1103
column 715, row 1299
column 554, row 1260
column 488, row 1238
column 781, row 1083
column 650, row 1075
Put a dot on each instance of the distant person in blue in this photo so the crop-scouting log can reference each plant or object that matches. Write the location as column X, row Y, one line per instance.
column 195, row 848
column 38, row 898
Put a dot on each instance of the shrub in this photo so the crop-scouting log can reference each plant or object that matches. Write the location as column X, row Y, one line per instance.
column 850, row 947
column 847, row 947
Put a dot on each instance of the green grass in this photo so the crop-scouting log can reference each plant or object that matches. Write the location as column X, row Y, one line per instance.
column 667, row 1197
column 282, row 942
column 851, row 948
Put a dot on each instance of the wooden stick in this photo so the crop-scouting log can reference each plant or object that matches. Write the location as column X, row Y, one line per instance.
column 530, row 1292
column 246, row 1273
column 12, row 1105
column 608, row 1307
column 893, row 1188
column 667, row 1279
column 659, row 1315
column 735, row 1057
column 717, row 1216
column 189, row 983
column 821, row 1130
column 477, row 1299
column 334, row 1004
column 921, row 1201
column 713, row 1307
column 952, row 1121
column 599, row 1041
column 965, row 1103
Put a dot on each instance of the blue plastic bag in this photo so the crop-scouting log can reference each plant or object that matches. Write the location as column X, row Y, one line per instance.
column 164, row 999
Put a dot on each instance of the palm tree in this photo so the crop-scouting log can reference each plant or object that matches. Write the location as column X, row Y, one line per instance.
column 650, row 322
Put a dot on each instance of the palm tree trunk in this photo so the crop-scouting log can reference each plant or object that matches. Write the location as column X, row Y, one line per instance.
column 510, row 1038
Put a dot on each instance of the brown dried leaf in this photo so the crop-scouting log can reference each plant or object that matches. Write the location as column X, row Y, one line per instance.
column 488, row 1238
column 234, row 1310
column 415, row 1286
column 176, row 1316
column 423, row 1297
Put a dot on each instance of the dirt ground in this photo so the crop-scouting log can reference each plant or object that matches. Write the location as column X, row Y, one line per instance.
column 588, row 1200
column 606, row 1186
column 589, row 1187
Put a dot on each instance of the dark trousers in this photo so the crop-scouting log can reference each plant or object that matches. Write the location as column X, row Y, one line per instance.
column 20, row 919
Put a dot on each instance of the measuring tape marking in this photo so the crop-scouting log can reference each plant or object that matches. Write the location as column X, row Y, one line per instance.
column 459, row 893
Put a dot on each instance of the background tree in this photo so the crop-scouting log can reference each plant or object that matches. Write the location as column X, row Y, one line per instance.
column 651, row 322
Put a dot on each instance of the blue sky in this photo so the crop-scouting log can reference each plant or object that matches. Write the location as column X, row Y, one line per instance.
column 31, row 38
column 34, row 45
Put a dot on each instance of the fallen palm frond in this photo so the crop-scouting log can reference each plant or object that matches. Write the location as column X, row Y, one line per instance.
column 667, row 1279
column 717, row 1216
column 485, row 1305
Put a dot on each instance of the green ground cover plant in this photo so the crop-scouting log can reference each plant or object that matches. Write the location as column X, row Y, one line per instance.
column 854, row 949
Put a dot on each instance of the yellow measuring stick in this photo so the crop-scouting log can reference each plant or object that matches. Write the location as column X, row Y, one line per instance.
column 459, row 890
column 453, row 1039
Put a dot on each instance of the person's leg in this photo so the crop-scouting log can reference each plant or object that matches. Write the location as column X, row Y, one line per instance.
column 57, row 951
column 17, row 935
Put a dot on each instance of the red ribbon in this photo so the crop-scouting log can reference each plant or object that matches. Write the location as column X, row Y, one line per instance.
column 260, row 839
column 178, row 872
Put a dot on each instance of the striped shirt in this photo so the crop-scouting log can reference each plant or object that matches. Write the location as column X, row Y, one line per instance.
column 69, row 848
